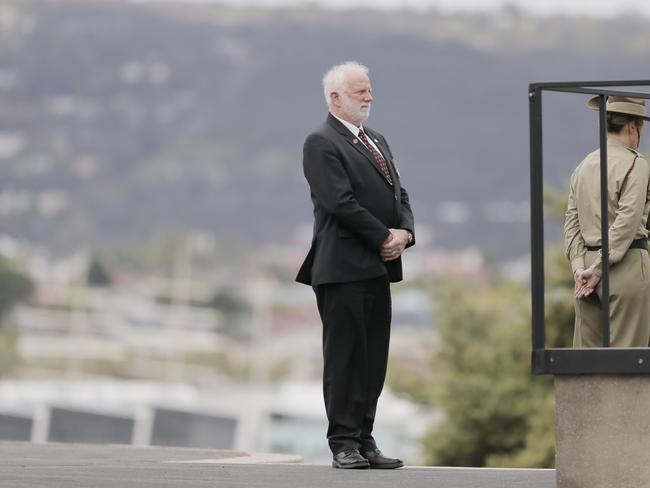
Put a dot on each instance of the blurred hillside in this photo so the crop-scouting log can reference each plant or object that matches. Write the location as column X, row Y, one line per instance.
column 119, row 119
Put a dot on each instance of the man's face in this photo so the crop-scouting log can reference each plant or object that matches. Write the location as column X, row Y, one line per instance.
column 357, row 97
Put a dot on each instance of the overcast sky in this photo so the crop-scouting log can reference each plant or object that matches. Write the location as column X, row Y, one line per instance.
column 597, row 8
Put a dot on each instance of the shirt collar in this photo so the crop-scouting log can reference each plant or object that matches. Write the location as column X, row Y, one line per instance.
column 351, row 127
column 615, row 142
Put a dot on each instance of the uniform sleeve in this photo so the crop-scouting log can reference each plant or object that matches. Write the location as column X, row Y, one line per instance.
column 629, row 214
column 573, row 241
column 331, row 188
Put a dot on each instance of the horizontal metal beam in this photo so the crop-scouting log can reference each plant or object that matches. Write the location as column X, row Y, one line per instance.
column 596, row 360
column 590, row 91
column 570, row 84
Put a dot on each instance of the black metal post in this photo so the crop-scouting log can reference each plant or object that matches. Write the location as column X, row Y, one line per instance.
column 604, row 218
column 537, row 218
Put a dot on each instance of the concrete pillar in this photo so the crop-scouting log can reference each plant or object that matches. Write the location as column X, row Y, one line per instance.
column 41, row 423
column 143, row 425
column 602, row 431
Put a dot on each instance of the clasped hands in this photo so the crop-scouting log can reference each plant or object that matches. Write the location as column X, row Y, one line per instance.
column 586, row 282
column 394, row 245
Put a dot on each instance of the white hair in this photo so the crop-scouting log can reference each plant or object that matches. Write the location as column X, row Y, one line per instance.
column 335, row 80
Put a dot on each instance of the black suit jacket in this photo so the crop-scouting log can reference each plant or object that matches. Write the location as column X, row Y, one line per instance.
column 354, row 206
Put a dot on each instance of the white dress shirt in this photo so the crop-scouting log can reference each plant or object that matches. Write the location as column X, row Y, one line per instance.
column 355, row 130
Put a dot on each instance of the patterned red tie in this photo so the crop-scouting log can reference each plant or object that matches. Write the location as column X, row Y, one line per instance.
column 378, row 157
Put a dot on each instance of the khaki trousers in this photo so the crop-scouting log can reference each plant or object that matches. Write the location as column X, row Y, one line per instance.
column 629, row 305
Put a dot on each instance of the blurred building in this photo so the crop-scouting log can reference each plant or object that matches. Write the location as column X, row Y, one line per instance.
column 286, row 418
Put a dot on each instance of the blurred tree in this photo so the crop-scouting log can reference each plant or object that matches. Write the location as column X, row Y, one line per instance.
column 494, row 412
column 227, row 303
column 483, row 384
column 98, row 275
column 14, row 287
column 555, row 203
column 8, row 349
column 233, row 311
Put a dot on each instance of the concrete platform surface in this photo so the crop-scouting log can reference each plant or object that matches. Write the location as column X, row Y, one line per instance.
column 25, row 465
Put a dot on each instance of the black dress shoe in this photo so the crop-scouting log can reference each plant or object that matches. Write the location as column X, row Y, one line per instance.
column 350, row 459
column 378, row 461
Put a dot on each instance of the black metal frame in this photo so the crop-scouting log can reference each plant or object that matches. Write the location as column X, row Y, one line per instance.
column 603, row 360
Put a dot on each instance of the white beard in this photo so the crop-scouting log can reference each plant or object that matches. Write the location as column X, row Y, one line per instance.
column 354, row 112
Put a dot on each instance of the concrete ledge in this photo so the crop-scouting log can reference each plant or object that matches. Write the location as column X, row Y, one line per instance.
column 602, row 431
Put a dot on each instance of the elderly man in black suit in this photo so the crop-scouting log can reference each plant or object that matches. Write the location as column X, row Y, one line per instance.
column 362, row 225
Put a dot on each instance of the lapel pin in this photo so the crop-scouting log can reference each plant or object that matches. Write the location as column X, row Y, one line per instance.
column 375, row 140
column 354, row 141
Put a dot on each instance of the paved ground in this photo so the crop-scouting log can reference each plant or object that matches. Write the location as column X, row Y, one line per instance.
column 24, row 465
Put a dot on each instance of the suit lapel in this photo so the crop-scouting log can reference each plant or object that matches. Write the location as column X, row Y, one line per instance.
column 384, row 152
column 356, row 143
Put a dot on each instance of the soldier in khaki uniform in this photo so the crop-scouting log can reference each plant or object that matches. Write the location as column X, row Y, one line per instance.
column 628, row 207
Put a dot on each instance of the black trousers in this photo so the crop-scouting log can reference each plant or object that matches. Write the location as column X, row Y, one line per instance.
column 356, row 334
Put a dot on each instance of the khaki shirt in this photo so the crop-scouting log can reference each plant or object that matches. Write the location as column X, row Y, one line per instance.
column 628, row 206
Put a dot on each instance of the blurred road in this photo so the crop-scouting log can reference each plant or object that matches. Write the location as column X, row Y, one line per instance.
column 24, row 465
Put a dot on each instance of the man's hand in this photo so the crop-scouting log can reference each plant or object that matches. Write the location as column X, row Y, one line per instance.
column 586, row 282
column 394, row 245
column 578, row 282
